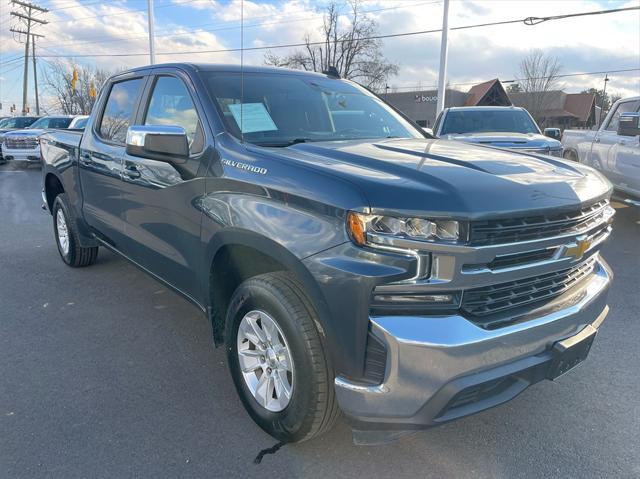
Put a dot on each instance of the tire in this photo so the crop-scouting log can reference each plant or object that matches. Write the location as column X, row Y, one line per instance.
column 66, row 235
column 596, row 164
column 312, row 407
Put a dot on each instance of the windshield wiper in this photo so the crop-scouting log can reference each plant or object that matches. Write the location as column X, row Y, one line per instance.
column 284, row 143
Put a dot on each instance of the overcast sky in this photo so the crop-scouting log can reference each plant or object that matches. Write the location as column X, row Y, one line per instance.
column 93, row 27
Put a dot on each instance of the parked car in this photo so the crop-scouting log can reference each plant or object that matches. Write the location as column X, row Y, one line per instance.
column 498, row 126
column 614, row 149
column 345, row 260
column 22, row 145
column 13, row 123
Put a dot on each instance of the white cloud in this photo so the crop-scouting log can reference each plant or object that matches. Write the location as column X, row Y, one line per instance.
column 595, row 43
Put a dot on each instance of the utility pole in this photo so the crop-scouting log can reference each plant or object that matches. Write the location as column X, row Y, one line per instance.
column 152, row 48
column 25, row 15
column 444, row 55
column 604, row 98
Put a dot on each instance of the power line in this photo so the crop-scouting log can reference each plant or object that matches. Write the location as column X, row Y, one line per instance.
column 191, row 32
column 125, row 12
column 538, row 20
column 75, row 5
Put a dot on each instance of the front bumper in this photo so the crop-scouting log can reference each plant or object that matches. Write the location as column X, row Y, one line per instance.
column 19, row 154
column 442, row 368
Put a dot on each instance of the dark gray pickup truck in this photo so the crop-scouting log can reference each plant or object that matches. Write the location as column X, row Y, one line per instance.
column 346, row 261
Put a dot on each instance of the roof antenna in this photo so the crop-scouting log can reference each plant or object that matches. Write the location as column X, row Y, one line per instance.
column 241, row 70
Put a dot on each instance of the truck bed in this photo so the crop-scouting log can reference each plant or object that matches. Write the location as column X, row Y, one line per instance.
column 60, row 145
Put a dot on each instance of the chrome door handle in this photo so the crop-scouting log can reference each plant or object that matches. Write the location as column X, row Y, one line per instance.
column 132, row 172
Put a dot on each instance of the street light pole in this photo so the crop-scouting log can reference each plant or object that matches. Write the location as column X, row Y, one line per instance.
column 35, row 73
column 152, row 49
column 444, row 54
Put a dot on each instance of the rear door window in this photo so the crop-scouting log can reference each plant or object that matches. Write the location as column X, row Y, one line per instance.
column 119, row 110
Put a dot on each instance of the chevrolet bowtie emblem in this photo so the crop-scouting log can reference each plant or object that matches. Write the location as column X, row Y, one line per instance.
column 577, row 249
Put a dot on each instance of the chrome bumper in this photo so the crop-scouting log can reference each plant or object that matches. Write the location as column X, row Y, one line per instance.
column 19, row 154
column 430, row 360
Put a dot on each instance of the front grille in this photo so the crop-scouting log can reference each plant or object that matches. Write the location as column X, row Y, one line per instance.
column 518, row 259
column 512, row 230
column 489, row 300
column 21, row 143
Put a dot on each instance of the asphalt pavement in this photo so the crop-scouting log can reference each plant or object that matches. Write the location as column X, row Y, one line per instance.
column 106, row 373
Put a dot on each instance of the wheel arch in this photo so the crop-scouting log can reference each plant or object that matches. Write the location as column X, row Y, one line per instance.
column 571, row 154
column 235, row 255
column 52, row 188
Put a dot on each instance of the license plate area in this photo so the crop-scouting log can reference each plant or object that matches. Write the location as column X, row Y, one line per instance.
column 567, row 354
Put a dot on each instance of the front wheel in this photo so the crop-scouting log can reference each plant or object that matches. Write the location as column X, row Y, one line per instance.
column 278, row 360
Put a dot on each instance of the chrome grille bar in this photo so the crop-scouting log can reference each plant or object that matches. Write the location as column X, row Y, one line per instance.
column 513, row 230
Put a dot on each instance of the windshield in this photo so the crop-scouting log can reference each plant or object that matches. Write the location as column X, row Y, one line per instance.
column 51, row 122
column 18, row 122
column 478, row 121
column 279, row 110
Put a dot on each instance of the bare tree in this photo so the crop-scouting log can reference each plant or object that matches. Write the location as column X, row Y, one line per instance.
column 350, row 49
column 538, row 77
column 58, row 81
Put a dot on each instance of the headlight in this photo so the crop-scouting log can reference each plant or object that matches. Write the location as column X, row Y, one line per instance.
column 556, row 152
column 367, row 229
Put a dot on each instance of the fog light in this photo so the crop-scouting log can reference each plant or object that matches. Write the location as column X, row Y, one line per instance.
column 404, row 304
column 414, row 298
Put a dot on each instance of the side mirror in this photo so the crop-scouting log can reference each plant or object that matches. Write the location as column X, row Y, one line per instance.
column 158, row 142
column 553, row 133
column 628, row 124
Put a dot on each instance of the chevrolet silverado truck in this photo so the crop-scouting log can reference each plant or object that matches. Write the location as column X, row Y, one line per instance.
column 614, row 149
column 498, row 126
column 346, row 260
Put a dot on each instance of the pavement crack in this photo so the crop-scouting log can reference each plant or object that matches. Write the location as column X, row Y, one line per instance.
column 269, row 450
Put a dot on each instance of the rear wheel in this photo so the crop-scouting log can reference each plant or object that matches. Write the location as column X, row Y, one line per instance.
column 277, row 358
column 66, row 235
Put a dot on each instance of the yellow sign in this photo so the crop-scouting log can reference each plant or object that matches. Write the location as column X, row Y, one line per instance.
column 74, row 79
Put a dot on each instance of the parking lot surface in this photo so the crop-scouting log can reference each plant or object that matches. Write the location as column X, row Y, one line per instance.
column 106, row 373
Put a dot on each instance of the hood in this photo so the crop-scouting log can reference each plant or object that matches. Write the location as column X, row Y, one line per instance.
column 508, row 140
column 449, row 178
column 24, row 133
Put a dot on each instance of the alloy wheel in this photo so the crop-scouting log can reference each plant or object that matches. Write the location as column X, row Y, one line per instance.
column 63, row 232
column 265, row 360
